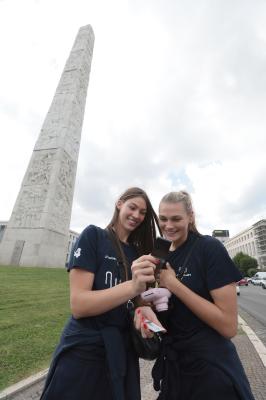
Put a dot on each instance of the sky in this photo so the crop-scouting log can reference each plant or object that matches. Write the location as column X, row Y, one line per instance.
column 176, row 101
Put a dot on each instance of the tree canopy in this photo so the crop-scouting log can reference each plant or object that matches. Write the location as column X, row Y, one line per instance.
column 245, row 263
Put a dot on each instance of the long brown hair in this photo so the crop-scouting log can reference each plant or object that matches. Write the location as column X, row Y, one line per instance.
column 144, row 235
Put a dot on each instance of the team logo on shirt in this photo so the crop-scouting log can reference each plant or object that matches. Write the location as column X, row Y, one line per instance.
column 77, row 253
column 185, row 274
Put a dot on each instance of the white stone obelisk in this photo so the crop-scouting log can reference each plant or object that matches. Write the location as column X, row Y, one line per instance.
column 37, row 233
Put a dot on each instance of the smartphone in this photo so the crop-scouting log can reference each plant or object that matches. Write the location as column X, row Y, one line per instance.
column 161, row 250
column 161, row 247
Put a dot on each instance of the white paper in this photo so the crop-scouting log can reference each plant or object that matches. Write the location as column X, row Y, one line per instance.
column 154, row 327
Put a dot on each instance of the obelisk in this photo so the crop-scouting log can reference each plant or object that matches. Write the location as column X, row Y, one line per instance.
column 37, row 233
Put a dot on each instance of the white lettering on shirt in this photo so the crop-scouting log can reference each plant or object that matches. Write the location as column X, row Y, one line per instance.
column 109, row 279
column 110, row 258
column 109, row 276
column 77, row 253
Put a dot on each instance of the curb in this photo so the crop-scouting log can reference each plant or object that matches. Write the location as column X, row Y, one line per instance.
column 9, row 392
column 257, row 343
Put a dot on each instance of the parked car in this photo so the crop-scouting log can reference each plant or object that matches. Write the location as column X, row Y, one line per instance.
column 263, row 283
column 243, row 282
column 256, row 280
column 237, row 290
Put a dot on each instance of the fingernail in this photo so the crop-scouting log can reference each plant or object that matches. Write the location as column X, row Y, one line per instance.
column 142, row 318
column 138, row 311
column 145, row 326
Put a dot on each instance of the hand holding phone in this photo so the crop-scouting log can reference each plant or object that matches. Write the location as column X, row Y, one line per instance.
column 160, row 251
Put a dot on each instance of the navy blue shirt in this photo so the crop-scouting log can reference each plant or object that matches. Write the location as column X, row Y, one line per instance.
column 94, row 252
column 209, row 267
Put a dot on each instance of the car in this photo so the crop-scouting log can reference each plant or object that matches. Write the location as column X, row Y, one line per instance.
column 243, row 282
column 263, row 283
column 237, row 290
column 255, row 280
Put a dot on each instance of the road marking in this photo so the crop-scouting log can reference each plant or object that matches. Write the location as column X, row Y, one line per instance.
column 257, row 343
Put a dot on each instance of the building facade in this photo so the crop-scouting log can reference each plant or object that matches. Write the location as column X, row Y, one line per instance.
column 251, row 241
column 221, row 234
column 72, row 237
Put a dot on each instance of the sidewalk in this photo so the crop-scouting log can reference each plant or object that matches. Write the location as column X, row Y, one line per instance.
column 253, row 360
column 253, row 356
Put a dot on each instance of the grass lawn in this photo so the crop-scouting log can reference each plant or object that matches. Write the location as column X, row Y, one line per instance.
column 34, row 306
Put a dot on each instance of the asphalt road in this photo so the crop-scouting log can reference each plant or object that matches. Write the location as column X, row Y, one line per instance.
column 253, row 300
column 252, row 307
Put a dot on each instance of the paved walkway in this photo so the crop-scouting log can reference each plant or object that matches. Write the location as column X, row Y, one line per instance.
column 253, row 365
column 253, row 359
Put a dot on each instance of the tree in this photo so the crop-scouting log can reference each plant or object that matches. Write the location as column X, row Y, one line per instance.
column 245, row 263
column 237, row 258
column 252, row 271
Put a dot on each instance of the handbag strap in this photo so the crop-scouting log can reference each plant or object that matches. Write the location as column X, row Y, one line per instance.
column 121, row 258
column 183, row 268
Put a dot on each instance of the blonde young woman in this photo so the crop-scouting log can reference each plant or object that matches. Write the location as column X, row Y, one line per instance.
column 198, row 360
column 95, row 359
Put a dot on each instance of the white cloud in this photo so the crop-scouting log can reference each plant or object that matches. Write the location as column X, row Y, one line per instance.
column 176, row 100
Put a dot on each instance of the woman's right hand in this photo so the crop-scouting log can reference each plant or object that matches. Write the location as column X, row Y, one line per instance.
column 143, row 272
column 142, row 314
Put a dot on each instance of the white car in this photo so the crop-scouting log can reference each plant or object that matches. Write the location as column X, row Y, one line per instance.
column 263, row 283
column 256, row 281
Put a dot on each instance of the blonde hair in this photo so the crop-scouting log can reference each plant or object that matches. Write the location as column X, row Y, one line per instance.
column 184, row 197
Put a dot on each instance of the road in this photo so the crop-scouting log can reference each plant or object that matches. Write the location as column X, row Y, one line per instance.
column 253, row 300
column 252, row 307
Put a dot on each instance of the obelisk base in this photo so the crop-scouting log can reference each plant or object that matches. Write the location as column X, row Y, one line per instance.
column 38, row 247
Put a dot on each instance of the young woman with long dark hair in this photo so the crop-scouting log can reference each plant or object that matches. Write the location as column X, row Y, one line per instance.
column 95, row 359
